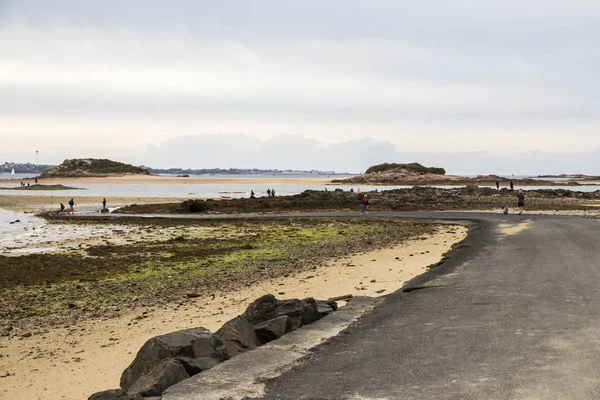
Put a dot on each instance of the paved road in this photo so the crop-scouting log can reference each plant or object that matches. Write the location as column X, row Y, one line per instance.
column 513, row 317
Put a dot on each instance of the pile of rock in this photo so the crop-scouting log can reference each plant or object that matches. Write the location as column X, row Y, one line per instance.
column 168, row 359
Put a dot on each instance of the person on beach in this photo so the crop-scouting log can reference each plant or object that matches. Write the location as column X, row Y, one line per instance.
column 268, row 192
column 497, row 185
column 272, row 192
column 71, row 204
column 104, row 203
column 62, row 207
column 512, row 186
column 365, row 209
column 252, row 196
column 521, row 201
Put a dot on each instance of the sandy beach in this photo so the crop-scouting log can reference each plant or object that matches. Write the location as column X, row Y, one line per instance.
column 74, row 361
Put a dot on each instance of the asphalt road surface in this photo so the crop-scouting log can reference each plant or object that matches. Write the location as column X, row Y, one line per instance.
column 507, row 317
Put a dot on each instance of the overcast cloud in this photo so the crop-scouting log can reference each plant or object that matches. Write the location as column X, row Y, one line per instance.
column 138, row 80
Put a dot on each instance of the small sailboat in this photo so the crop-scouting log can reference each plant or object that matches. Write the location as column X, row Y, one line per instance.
column 12, row 173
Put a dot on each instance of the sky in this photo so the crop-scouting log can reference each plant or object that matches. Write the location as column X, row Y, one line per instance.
column 473, row 86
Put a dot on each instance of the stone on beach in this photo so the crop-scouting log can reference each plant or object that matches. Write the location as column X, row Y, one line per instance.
column 267, row 307
column 166, row 374
column 195, row 342
column 238, row 336
column 273, row 329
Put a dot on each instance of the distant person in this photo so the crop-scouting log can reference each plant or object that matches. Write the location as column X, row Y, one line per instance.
column 505, row 210
column 252, row 196
column 497, row 185
column 521, row 201
column 36, row 180
column 272, row 192
column 268, row 192
column 62, row 207
column 351, row 190
column 104, row 203
column 71, row 204
column 22, row 184
column 27, row 184
column 358, row 191
column 365, row 209
column 512, row 186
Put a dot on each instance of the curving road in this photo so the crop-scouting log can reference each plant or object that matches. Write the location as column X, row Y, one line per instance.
column 507, row 317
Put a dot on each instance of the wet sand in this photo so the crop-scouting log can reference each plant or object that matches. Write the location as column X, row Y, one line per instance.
column 73, row 362
column 43, row 203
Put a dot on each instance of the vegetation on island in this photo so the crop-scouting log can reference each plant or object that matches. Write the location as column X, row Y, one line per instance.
column 93, row 168
column 412, row 167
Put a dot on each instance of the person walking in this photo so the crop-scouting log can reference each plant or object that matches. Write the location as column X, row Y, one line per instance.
column 365, row 209
column 272, row 192
column 71, row 204
column 497, row 185
column 268, row 192
column 512, row 186
column 521, row 201
column 104, row 203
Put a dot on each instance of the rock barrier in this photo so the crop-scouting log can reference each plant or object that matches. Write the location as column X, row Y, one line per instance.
column 166, row 360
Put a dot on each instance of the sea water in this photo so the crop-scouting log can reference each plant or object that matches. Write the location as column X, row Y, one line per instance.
column 16, row 224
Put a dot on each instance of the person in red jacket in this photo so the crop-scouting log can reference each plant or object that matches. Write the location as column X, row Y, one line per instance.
column 365, row 209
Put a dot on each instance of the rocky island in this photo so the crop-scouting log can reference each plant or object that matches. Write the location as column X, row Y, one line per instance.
column 415, row 174
column 90, row 167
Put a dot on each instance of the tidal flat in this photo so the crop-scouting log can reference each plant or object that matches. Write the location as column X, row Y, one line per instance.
column 157, row 262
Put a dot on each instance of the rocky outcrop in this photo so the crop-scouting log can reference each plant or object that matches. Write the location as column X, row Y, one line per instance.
column 238, row 336
column 166, row 374
column 91, row 167
column 193, row 343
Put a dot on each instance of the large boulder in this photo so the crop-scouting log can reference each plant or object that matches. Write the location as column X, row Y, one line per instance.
column 238, row 336
column 115, row 394
column 273, row 329
column 267, row 307
column 166, row 374
column 193, row 343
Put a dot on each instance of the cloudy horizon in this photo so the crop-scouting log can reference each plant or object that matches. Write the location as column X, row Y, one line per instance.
column 506, row 87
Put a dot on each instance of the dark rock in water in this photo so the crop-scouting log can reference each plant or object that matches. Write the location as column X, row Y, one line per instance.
column 273, row 329
column 193, row 343
column 166, row 374
column 104, row 210
column 267, row 307
column 194, row 366
column 115, row 394
column 238, row 336
column 326, row 307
